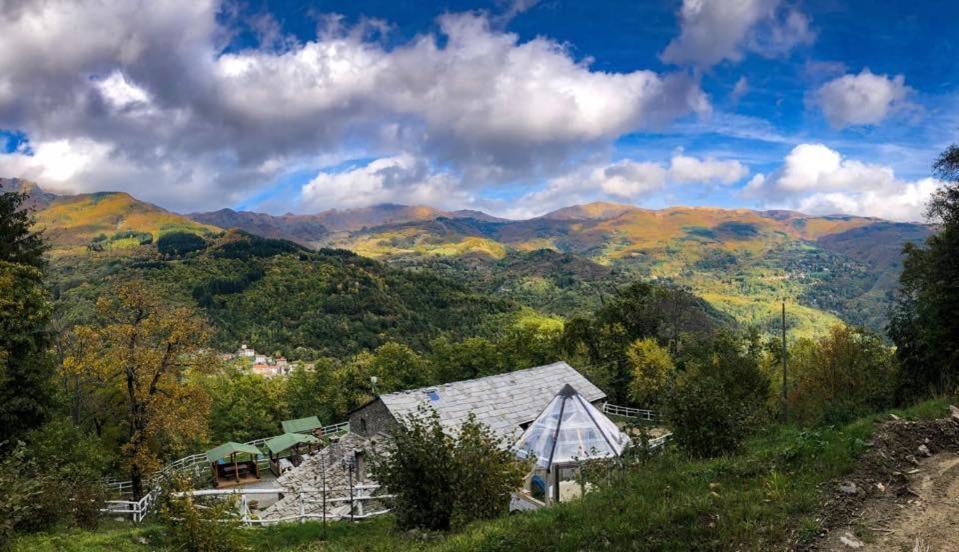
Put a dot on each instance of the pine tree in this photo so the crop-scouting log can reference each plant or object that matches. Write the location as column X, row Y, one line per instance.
column 25, row 364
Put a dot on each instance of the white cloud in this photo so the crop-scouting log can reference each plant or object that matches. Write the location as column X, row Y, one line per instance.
column 863, row 99
column 715, row 30
column 627, row 180
column 686, row 169
column 399, row 179
column 818, row 180
column 739, row 89
column 121, row 93
column 150, row 82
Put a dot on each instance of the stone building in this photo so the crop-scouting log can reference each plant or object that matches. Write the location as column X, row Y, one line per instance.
column 507, row 403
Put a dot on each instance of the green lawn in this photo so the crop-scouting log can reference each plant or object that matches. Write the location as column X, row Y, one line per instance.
column 763, row 498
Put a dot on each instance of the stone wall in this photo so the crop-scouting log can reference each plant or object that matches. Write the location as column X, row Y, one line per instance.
column 371, row 419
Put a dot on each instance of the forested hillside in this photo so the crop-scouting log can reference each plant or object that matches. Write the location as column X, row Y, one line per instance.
column 278, row 296
column 741, row 261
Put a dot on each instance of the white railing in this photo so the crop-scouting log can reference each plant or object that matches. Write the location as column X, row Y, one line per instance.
column 336, row 429
column 136, row 509
column 628, row 412
column 195, row 463
column 659, row 441
column 304, row 496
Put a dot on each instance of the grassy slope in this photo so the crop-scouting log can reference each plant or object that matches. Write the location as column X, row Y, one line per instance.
column 764, row 498
column 72, row 222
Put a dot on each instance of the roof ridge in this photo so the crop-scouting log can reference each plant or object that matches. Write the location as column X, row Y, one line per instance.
column 491, row 376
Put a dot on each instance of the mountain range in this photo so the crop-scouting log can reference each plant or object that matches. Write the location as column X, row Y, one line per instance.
column 742, row 261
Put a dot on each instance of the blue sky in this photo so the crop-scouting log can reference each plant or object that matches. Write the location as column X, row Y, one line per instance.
column 825, row 106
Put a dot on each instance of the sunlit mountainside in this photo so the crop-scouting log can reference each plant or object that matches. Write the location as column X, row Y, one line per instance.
column 741, row 261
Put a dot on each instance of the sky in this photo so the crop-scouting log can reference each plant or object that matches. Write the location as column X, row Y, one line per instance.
column 514, row 107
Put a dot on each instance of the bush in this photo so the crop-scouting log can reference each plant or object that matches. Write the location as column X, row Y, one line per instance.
column 719, row 399
column 53, row 477
column 841, row 376
column 209, row 527
column 442, row 481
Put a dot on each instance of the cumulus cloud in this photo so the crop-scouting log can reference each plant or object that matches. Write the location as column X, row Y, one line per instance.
column 715, row 30
column 628, row 180
column 863, row 99
column 399, row 179
column 152, row 85
column 687, row 169
column 816, row 179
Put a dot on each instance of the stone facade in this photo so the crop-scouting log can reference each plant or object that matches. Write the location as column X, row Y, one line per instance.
column 371, row 419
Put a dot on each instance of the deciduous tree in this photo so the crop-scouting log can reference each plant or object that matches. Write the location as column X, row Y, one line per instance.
column 144, row 351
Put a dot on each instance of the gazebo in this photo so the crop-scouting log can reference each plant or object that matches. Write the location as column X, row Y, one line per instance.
column 302, row 425
column 282, row 443
column 227, row 470
column 569, row 431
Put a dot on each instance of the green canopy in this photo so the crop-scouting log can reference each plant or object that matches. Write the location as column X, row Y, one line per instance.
column 301, row 425
column 227, row 449
column 282, row 442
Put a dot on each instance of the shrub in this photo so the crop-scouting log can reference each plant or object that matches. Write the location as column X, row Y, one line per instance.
column 209, row 527
column 441, row 480
column 843, row 375
column 720, row 398
column 53, row 477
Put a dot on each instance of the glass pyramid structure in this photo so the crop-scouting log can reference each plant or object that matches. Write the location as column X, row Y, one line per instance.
column 570, row 429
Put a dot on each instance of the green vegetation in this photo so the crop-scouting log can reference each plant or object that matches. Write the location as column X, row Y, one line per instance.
column 25, row 363
column 444, row 479
column 139, row 315
column 924, row 324
column 766, row 497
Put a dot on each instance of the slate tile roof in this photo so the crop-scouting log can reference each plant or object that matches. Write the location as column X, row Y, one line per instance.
column 502, row 402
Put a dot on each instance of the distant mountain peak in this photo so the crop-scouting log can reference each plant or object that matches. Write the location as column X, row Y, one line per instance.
column 597, row 210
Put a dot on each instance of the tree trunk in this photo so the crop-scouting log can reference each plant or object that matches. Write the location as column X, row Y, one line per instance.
column 136, row 480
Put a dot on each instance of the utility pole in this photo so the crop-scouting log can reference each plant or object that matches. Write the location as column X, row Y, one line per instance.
column 785, row 403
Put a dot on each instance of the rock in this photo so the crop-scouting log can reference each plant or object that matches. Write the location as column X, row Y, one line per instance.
column 955, row 413
column 923, row 450
column 894, row 417
column 881, row 487
column 848, row 488
column 851, row 541
column 912, row 460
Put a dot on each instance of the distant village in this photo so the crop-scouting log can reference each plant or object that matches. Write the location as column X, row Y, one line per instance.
column 261, row 364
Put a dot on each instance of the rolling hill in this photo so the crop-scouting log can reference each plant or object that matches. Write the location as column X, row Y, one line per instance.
column 109, row 221
column 742, row 261
column 313, row 230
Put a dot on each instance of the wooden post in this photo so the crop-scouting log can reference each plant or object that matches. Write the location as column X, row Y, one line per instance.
column 351, row 490
column 236, row 471
column 785, row 399
column 323, row 471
